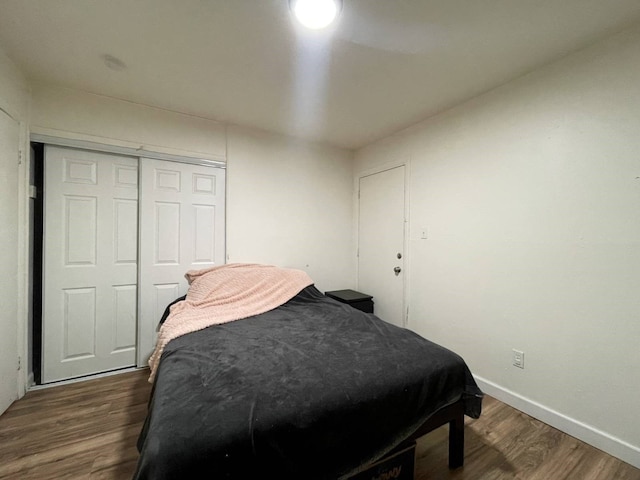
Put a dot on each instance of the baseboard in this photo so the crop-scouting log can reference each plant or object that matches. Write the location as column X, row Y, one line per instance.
column 608, row 443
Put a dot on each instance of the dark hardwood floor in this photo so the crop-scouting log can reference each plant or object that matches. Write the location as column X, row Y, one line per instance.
column 505, row 443
column 88, row 430
column 84, row 430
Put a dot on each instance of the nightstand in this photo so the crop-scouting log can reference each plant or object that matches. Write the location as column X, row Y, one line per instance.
column 358, row 300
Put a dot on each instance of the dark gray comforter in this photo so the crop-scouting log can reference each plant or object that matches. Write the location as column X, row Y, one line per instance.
column 312, row 389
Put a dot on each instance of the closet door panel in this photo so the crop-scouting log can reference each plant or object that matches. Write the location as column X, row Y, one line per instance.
column 90, row 252
column 125, row 232
column 204, row 245
column 125, row 313
column 181, row 229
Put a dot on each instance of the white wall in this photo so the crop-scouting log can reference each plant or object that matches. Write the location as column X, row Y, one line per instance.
column 289, row 204
column 13, row 106
column 68, row 113
column 531, row 198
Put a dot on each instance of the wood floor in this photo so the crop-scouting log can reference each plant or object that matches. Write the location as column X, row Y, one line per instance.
column 84, row 430
column 88, row 430
column 504, row 443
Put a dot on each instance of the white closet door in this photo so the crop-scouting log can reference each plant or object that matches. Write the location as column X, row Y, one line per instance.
column 90, row 263
column 182, row 222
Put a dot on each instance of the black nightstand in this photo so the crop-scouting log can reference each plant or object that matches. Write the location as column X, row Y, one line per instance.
column 360, row 301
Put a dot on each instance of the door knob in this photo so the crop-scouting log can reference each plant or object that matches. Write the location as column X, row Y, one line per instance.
column 397, row 271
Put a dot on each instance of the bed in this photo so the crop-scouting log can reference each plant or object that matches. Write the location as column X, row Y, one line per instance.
column 312, row 388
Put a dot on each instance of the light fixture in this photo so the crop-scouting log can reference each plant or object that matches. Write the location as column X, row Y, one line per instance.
column 315, row 14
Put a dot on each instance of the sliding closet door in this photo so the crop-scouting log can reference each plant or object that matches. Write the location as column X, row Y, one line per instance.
column 181, row 228
column 90, row 263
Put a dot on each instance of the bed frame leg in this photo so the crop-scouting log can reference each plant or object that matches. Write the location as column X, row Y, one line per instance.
column 456, row 442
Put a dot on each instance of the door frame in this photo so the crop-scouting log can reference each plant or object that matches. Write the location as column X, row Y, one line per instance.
column 383, row 167
column 11, row 332
column 210, row 160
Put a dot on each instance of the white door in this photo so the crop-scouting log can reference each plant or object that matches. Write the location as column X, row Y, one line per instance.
column 381, row 241
column 90, row 263
column 182, row 222
column 9, row 141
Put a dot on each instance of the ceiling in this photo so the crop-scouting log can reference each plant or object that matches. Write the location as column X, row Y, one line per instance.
column 386, row 65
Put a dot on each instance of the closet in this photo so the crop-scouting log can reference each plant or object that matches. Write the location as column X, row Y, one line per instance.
column 119, row 234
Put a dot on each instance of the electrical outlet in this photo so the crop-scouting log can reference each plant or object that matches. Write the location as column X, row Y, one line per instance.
column 518, row 358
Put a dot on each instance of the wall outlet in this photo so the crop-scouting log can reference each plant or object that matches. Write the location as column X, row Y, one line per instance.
column 518, row 358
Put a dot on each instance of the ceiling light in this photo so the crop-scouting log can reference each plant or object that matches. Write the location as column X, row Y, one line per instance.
column 315, row 14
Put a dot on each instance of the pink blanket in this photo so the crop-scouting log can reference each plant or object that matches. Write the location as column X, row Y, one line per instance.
column 229, row 292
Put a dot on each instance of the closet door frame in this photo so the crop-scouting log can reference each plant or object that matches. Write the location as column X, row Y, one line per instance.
column 216, row 161
column 210, row 160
